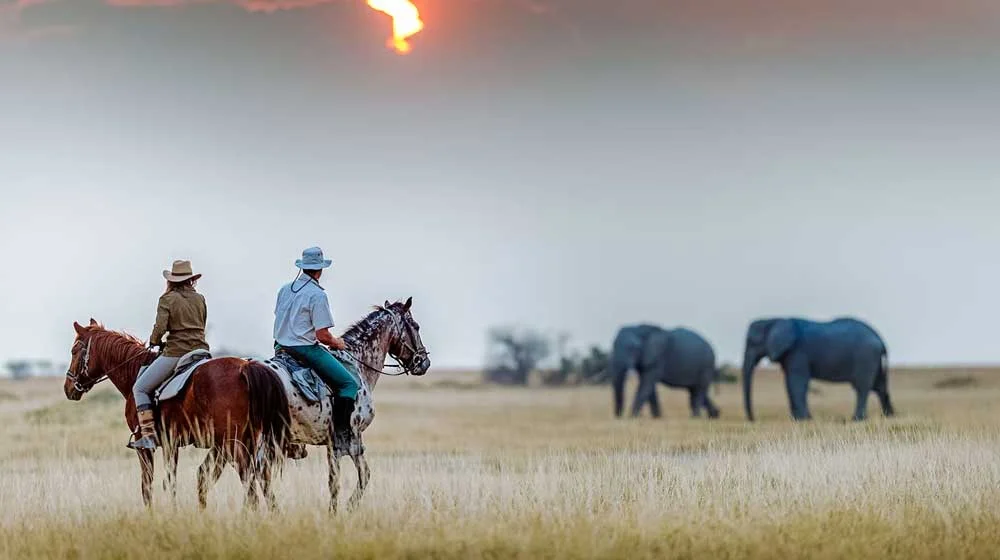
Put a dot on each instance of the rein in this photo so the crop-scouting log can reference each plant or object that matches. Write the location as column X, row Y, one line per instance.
column 406, row 371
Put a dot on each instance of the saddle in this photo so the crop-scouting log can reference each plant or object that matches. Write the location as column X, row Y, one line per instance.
column 305, row 380
column 182, row 374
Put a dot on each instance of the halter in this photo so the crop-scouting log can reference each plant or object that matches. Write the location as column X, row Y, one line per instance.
column 409, row 344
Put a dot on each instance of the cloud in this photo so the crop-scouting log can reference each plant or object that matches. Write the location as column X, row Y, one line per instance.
column 14, row 27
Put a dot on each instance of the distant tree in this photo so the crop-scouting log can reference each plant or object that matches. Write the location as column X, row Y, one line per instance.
column 563, row 372
column 19, row 369
column 512, row 354
column 593, row 367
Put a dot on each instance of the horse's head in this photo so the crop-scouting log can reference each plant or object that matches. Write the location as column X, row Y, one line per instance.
column 80, row 376
column 405, row 344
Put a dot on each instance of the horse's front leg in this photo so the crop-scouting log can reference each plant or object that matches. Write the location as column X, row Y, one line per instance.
column 146, row 464
column 364, row 475
column 333, row 477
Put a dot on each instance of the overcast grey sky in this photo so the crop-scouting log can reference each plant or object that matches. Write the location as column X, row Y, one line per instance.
column 565, row 165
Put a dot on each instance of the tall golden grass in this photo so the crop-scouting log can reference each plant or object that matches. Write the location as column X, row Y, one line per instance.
column 465, row 471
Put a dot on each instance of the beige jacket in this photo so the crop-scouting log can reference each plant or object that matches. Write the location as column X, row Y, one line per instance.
column 181, row 315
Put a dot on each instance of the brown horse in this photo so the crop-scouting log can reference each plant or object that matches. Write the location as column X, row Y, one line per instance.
column 237, row 409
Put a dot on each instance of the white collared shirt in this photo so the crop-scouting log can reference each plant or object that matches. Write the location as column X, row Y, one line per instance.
column 301, row 310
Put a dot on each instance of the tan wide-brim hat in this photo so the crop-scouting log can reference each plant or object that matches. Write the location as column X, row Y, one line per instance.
column 180, row 272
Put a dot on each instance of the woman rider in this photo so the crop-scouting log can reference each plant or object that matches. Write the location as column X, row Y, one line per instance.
column 181, row 315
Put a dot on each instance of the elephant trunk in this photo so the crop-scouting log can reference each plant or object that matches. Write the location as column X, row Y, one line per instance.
column 750, row 360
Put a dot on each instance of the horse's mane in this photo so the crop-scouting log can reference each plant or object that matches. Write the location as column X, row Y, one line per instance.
column 118, row 345
column 366, row 323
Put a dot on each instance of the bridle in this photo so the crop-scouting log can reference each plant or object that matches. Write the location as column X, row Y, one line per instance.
column 409, row 343
column 84, row 370
column 82, row 383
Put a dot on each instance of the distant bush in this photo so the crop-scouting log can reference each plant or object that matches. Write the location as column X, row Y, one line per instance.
column 576, row 369
column 959, row 382
column 728, row 374
column 514, row 355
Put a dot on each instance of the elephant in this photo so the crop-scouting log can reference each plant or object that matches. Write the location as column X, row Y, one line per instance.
column 675, row 357
column 844, row 350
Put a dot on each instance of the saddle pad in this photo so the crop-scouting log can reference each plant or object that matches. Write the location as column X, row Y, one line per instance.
column 310, row 385
column 306, row 381
column 176, row 384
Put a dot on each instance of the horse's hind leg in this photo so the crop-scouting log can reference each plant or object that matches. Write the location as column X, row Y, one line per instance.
column 364, row 475
column 146, row 464
column 208, row 474
column 170, row 455
column 333, row 476
column 246, row 466
column 264, row 478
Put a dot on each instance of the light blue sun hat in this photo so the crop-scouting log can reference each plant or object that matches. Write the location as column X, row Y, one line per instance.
column 312, row 259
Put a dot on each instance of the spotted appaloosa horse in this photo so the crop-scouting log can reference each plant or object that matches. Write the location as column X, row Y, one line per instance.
column 389, row 330
column 235, row 408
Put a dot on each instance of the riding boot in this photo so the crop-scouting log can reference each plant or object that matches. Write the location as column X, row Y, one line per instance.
column 343, row 434
column 147, row 431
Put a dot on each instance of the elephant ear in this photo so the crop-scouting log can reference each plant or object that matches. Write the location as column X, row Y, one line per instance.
column 780, row 339
column 654, row 348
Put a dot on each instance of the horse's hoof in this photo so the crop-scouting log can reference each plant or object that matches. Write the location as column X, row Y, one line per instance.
column 296, row 452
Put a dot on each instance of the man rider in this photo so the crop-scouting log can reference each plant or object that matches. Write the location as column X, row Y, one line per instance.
column 302, row 322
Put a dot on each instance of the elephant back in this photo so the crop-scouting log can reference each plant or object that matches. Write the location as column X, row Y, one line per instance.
column 680, row 355
column 697, row 348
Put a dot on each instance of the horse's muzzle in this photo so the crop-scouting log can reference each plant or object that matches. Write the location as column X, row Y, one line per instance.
column 72, row 394
column 423, row 367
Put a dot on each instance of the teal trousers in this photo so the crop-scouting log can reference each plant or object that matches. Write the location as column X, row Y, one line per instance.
column 330, row 369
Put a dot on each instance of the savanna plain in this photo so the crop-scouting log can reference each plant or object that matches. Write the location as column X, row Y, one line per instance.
column 463, row 470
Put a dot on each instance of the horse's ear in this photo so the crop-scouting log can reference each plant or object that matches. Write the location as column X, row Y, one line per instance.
column 93, row 323
column 409, row 302
column 79, row 329
column 386, row 306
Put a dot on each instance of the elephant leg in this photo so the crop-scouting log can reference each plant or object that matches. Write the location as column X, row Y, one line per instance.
column 654, row 404
column 797, row 385
column 695, row 399
column 647, row 388
column 713, row 411
column 864, row 383
column 881, row 389
column 861, row 408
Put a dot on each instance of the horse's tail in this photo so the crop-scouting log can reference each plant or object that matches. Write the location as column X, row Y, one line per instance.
column 268, row 408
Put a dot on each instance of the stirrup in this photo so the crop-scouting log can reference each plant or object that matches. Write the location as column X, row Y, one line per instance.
column 146, row 442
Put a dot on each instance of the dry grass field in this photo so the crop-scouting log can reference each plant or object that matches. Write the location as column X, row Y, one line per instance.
column 465, row 471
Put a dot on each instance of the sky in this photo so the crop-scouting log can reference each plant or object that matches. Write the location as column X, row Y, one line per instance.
column 568, row 166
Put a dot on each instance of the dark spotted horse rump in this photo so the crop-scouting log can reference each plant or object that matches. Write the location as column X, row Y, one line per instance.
column 310, row 402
